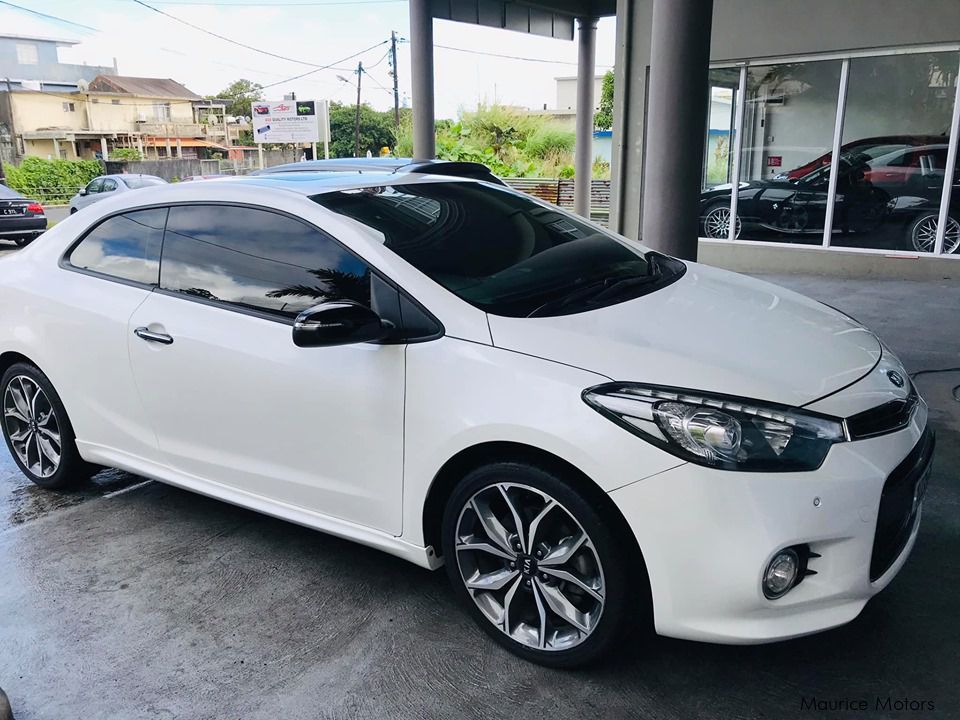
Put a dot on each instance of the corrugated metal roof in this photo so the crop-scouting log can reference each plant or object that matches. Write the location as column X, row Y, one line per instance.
column 145, row 87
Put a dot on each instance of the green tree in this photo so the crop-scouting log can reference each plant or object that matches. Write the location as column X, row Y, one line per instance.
column 376, row 130
column 603, row 118
column 239, row 94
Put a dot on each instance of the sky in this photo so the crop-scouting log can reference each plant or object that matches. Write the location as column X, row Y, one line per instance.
column 147, row 44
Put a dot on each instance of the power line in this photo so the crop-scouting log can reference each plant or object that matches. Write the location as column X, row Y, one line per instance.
column 377, row 82
column 224, row 38
column 331, row 66
column 48, row 17
column 510, row 57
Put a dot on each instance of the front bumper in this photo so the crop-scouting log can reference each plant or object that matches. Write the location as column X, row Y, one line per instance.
column 707, row 536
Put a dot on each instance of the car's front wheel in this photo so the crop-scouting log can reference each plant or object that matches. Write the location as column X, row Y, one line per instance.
column 922, row 234
column 538, row 567
column 38, row 431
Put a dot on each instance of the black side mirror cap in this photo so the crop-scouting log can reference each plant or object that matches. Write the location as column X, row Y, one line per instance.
column 338, row 322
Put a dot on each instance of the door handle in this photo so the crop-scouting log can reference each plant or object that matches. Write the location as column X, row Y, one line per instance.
column 149, row 335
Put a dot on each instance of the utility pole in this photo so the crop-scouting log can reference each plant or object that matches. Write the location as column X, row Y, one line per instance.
column 356, row 123
column 393, row 71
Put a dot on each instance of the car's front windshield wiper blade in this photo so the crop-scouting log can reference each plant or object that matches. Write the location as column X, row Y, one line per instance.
column 594, row 293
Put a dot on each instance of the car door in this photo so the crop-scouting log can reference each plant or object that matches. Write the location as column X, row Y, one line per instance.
column 93, row 190
column 106, row 276
column 107, row 189
column 234, row 402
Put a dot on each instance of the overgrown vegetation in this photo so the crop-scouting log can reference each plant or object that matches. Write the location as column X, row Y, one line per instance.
column 603, row 118
column 376, row 130
column 51, row 181
column 127, row 154
column 511, row 142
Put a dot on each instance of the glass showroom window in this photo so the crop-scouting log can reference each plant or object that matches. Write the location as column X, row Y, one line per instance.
column 718, row 153
column 788, row 129
column 893, row 154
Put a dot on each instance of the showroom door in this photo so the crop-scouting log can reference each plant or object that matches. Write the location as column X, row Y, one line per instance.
column 234, row 401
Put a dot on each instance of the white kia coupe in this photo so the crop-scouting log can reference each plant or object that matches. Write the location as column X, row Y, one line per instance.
column 585, row 432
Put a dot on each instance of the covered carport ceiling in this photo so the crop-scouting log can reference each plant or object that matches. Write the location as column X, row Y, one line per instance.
column 550, row 19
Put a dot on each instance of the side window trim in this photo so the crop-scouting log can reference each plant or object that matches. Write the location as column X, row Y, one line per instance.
column 65, row 264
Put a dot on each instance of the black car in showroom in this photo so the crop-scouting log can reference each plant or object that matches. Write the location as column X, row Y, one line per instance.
column 895, row 196
column 21, row 219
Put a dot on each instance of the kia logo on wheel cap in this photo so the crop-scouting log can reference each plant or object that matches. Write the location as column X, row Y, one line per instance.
column 896, row 378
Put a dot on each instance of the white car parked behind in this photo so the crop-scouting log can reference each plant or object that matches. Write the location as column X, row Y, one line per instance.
column 105, row 186
column 587, row 433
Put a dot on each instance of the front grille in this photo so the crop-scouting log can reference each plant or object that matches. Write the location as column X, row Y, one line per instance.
column 889, row 417
column 902, row 493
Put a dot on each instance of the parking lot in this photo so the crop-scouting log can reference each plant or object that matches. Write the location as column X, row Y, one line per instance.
column 132, row 599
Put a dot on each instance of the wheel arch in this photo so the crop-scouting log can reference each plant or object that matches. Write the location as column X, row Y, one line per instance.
column 485, row 453
column 11, row 357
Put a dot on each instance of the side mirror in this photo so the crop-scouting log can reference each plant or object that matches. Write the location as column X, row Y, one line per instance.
column 338, row 322
column 83, row 191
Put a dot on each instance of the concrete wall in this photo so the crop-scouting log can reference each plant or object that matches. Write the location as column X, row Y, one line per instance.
column 35, row 111
column 751, row 258
column 750, row 30
column 567, row 92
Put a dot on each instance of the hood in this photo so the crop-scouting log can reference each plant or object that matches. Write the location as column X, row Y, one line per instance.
column 712, row 330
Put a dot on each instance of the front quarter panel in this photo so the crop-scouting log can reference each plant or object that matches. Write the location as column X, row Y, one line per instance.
column 461, row 394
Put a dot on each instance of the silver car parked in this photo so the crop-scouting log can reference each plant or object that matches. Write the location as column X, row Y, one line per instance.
column 109, row 185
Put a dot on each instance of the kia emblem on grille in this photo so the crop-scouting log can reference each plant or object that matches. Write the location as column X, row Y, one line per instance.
column 896, row 378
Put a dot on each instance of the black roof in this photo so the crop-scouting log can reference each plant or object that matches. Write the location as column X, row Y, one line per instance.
column 475, row 171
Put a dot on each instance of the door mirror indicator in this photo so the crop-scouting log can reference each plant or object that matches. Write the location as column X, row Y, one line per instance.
column 338, row 322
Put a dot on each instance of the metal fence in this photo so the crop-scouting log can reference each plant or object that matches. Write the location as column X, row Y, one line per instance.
column 559, row 191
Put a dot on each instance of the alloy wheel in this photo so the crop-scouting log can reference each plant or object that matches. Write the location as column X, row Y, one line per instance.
column 716, row 224
column 924, row 236
column 31, row 424
column 529, row 566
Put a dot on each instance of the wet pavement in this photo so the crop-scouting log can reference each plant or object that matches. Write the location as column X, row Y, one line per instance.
column 129, row 600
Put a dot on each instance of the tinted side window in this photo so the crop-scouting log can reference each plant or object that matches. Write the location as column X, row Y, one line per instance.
column 109, row 185
column 258, row 260
column 124, row 246
column 95, row 185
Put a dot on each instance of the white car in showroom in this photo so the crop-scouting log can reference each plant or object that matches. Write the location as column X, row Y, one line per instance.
column 586, row 433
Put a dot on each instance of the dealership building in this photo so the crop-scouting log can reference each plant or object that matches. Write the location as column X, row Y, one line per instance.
column 761, row 95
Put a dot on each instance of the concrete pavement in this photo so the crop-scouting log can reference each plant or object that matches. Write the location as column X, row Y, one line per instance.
column 142, row 601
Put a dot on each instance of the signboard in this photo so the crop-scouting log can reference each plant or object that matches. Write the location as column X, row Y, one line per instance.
column 289, row 121
column 774, row 160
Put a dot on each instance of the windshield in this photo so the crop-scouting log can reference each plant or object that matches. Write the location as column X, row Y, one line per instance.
column 138, row 181
column 502, row 251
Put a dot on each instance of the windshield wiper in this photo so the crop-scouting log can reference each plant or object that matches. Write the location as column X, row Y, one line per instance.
column 595, row 294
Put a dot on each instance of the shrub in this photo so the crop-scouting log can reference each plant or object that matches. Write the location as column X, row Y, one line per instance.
column 128, row 154
column 566, row 171
column 549, row 140
column 51, row 181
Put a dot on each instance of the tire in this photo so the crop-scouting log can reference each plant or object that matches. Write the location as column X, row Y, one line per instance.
column 713, row 219
column 72, row 210
column 921, row 234
column 520, row 582
column 30, row 408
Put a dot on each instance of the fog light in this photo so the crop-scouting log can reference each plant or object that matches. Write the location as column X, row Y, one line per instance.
column 781, row 574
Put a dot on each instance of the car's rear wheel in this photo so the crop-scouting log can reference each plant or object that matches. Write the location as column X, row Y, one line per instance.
column 536, row 564
column 922, row 234
column 716, row 222
column 38, row 431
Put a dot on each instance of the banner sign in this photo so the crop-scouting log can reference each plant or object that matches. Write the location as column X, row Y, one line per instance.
column 288, row 121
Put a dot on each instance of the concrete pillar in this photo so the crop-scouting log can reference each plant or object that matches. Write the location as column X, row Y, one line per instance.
column 56, row 149
column 103, row 149
column 676, row 122
column 421, row 75
column 583, row 158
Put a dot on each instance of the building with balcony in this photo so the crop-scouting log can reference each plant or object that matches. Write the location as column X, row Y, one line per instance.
column 157, row 116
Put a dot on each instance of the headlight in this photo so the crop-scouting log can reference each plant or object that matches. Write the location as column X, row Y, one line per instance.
column 718, row 430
